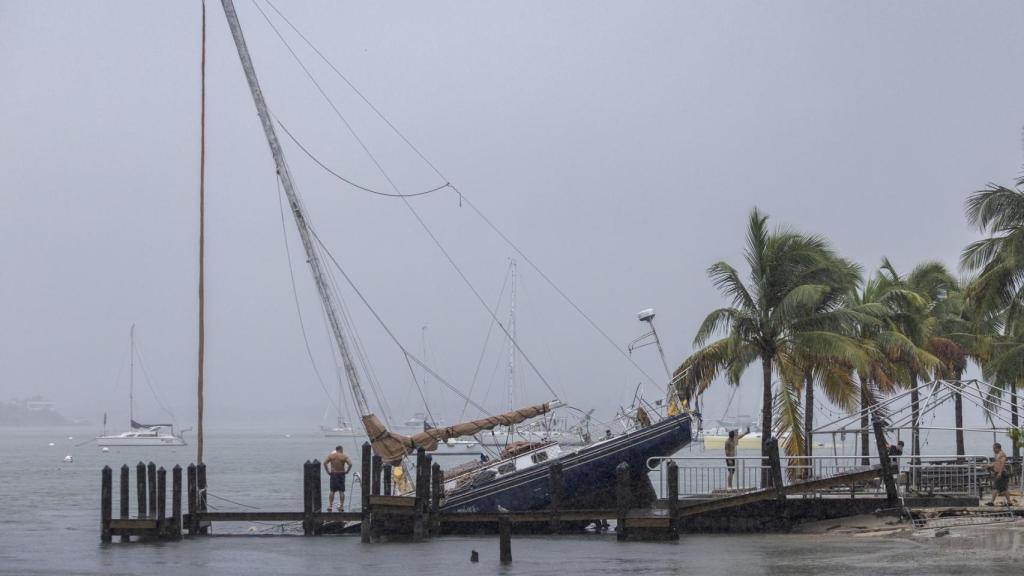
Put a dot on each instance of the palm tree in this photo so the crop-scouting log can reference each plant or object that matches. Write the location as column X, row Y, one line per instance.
column 1005, row 370
column 912, row 300
column 997, row 260
column 771, row 319
column 965, row 331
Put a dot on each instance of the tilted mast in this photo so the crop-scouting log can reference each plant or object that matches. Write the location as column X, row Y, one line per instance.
column 312, row 257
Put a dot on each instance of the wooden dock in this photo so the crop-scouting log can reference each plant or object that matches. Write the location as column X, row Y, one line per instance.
column 416, row 516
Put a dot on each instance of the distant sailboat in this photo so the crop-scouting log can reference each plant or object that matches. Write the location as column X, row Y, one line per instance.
column 139, row 434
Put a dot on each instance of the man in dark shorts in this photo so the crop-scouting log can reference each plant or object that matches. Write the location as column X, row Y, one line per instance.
column 337, row 464
column 1000, row 475
column 730, row 453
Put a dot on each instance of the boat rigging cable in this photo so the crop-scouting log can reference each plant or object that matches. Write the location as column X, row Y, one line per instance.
column 462, row 197
column 394, row 186
column 487, row 339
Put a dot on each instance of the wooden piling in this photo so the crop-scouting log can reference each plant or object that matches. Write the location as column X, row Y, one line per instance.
column 436, row 482
column 622, row 499
column 557, row 489
column 140, row 489
column 201, row 497
column 175, row 527
column 891, row 495
column 193, row 501
column 375, row 470
column 387, row 472
column 673, row 496
column 161, row 500
column 125, row 496
column 307, row 499
column 318, row 487
column 106, row 503
column 504, row 538
column 151, row 484
column 364, row 492
column 775, row 464
column 422, row 487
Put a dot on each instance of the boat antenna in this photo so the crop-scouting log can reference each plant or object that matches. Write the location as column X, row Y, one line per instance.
column 284, row 174
column 512, row 337
column 202, row 243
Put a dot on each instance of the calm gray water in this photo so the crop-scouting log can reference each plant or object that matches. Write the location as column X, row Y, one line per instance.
column 49, row 524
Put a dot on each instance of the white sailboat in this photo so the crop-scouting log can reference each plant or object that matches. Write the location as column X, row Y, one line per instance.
column 140, row 434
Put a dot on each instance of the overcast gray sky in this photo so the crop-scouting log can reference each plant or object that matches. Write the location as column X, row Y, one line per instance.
column 621, row 145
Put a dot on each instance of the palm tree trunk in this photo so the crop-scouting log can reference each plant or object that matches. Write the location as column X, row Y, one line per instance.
column 915, row 415
column 958, row 415
column 1014, row 419
column 865, row 448
column 808, row 415
column 766, row 416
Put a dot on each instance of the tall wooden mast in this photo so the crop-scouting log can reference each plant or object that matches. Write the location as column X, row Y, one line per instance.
column 202, row 244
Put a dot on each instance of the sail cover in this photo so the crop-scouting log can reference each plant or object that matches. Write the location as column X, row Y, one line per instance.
column 392, row 447
column 137, row 425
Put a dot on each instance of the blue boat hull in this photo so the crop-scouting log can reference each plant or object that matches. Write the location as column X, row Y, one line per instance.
column 588, row 474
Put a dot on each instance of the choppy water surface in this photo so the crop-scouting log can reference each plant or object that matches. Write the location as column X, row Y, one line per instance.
column 49, row 524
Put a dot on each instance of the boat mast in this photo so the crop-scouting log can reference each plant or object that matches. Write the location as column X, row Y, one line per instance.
column 315, row 266
column 131, row 380
column 202, row 244
column 512, row 343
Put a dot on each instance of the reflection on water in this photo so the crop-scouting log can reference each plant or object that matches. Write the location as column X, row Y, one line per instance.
column 49, row 523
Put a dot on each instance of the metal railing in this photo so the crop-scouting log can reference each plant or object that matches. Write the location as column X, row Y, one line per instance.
column 702, row 476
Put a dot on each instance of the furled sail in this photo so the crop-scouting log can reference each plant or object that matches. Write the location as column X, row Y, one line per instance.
column 392, row 447
column 137, row 425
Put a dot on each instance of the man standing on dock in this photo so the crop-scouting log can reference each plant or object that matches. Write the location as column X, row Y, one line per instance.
column 1000, row 476
column 337, row 465
column 730, row 452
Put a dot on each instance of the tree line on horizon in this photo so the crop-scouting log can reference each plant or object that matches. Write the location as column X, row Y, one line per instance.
column 814, row 321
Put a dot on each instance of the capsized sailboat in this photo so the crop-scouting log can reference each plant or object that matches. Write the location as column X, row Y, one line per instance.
column 517, row 480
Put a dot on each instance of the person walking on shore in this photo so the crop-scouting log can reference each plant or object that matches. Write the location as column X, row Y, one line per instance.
column 337, row 464
column 1000, row 475
column 730, row 453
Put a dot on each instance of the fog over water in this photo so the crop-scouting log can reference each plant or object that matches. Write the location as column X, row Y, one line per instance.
column 620, row 145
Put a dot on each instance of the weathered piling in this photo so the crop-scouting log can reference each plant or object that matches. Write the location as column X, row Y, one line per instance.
column 422, row 487
column 106, row 503
column 436, row 482
column 504, row 538
column 622, row 499
column 317, row 481
column 387, row 472
column 161, row 500
column 151, row 484
column 140, row 489
column 673, row 496
column 557, row 489
column 193, row 500
column 307, row 498
column 201, row 496
column 125, row 495
column 364, row 485
column 375, row 470
column 175, row 527
column 883, row 457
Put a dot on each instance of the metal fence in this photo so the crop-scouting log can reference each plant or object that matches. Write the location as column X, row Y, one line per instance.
column 703, row 476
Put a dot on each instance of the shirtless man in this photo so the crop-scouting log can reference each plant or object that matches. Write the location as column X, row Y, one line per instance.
column 730, row 452
column 1000, row 475
column 337, row 464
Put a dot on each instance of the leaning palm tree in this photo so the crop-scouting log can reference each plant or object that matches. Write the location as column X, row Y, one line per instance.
column 771, row 317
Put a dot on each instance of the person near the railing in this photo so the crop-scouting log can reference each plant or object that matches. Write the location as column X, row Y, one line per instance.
column 730, row 453
column 895, row 451
column 1000, row 475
